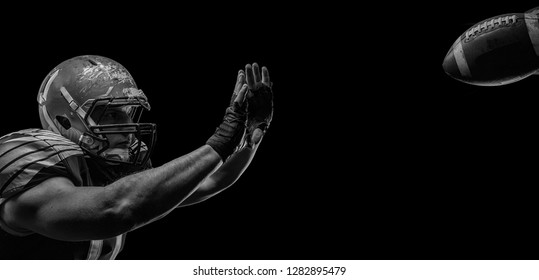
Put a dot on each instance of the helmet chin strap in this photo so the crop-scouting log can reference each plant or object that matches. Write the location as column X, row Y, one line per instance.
column 78, row 137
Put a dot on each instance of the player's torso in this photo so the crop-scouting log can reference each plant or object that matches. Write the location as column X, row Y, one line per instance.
column 30, row 156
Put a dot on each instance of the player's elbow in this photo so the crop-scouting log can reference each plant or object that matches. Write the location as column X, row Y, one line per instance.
column 114, row 215
column 119, row 217
column 124, row 213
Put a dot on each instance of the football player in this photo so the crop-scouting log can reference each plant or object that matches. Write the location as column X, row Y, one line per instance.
column 73, row 189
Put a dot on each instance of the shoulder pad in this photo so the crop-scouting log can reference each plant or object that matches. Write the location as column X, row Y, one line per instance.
column 25, row 153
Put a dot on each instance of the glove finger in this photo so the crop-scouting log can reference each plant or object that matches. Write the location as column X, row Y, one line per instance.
column 240, row 97
column 257, row 136
column 256, row 73
column 265, row 76
column 250, row 76
column 239, row 81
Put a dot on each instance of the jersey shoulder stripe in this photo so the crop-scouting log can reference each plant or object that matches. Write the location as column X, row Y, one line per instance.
column 25, row 153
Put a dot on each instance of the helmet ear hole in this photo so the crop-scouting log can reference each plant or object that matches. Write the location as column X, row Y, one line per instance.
column 64, row 122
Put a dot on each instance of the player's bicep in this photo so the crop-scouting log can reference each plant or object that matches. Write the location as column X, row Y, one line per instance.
column 59, row 210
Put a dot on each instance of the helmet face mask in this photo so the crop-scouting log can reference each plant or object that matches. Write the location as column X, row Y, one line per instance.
column 108, row 119
column 94, row 102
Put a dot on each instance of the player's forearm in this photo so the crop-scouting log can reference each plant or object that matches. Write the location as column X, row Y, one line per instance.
column 223, row 177
column 233, row 168
column 143, row 196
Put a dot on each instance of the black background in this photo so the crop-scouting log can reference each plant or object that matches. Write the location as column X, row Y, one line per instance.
column 373, row 153
column 466, row 153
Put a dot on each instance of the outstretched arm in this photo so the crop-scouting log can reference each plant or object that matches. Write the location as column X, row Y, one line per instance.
column 58, row 209
column 260, row 113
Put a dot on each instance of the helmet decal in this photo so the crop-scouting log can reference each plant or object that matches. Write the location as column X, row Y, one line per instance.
column 98, row 74
column 104, row 71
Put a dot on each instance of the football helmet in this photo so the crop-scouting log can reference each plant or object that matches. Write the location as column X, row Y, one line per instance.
column 82, row 91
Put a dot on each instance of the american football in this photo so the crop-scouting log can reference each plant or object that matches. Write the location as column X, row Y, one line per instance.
column 496, row 51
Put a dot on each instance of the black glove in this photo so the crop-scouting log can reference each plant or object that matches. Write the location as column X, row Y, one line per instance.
column 228, row 135
column 260, row 109
column 260, row 112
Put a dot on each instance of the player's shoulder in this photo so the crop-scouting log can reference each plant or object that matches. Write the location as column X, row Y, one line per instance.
column 36, row 140
column 26, row 153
